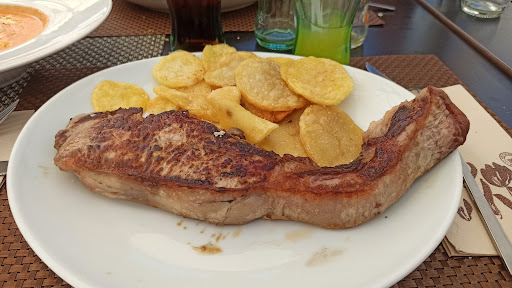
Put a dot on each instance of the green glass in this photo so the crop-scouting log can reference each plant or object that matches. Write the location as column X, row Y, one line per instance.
column 323, row 28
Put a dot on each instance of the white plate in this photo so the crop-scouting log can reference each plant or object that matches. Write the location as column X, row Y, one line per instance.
column 93, row 241
column 161, row 5
column 69, row 21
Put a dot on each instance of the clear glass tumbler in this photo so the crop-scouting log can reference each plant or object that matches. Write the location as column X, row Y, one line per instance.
column 360, row 26
column 484, row 8
column 324, row 27
column 275, row 24
column 195, row 23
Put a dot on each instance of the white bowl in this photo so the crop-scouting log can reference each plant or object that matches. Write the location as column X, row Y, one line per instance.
column 69, row 21
column 161, row 5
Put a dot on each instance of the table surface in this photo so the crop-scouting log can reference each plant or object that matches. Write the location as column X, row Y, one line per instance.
column 411, row 30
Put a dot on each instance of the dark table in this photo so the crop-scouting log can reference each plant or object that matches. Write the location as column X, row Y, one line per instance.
column 411, row 30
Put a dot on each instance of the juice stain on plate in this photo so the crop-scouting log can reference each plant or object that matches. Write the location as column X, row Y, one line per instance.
column 299, row 234
column 323, row 256
column 208, row 249
column 237, row 232
column 179, row 223
column 44, row 169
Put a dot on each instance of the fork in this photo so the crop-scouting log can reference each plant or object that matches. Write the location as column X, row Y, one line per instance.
column 7, row 111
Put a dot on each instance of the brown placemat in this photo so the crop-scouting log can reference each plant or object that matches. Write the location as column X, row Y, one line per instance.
column 420, row 71
column 45, row 83
column 128, row 19
column 20, row 267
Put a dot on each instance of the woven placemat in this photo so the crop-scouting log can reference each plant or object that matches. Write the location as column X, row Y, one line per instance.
column 420, row 71
column 45, row 83
column 20, row 267
column 128, row 19
column 105, row 51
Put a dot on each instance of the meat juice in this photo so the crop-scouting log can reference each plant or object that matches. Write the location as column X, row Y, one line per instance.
column 195, row 23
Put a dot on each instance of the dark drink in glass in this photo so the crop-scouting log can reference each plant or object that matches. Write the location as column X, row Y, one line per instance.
column 195, row 23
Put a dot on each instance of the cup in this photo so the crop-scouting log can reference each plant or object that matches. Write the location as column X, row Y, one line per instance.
column 195, row 24
column 324, row 27
column 484, row 8
column 360, row 26
column 274, row 27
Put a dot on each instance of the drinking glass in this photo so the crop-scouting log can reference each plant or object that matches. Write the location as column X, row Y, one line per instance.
column 484, row 8
column 324, row 27
column 275, row 24
column 360, row 26
column 195, row 23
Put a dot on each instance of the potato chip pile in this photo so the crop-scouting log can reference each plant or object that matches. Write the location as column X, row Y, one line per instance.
column 280, row 104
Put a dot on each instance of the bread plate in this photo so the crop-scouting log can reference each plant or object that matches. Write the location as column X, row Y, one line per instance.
column 69, row 21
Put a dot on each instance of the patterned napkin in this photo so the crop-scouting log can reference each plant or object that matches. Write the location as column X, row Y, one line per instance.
column 9, row 131
column 488, row 152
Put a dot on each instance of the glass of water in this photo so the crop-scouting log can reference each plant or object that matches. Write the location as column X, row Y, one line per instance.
column 275, row 24
column 484, row 8
column 360, row 26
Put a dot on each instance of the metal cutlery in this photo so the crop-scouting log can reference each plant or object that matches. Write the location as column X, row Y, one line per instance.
column 500, row 239
column 3, row 172
column 3, row 115
column 8, row 110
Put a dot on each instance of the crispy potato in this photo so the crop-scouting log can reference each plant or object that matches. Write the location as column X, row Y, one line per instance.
column 286, row 138
column 213, row 53
column 272, row 116
column 223, row 72
column 160, row 104
column 283, row 70
column 261, row 85
column 195, row 103
column 321, row 81
column 202, row 88
column 329, row 135
column 281, row 60
column 226, row 101
column 111, row 95
column 179, row 69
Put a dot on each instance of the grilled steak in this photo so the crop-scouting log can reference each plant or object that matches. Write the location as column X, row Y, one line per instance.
column 178, row 163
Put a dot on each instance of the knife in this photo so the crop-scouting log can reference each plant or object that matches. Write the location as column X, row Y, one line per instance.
column 3, row 167
column 500, row 239
column 3, row 171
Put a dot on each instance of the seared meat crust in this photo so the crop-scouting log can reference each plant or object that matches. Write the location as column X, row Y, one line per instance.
column 178, row 163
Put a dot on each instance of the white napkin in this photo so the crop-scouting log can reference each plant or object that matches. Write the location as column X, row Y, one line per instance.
column 488, row 150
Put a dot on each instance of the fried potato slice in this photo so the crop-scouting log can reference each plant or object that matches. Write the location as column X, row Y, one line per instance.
column 286, row 138
column 329, row 135
column 223, row 72
column 226, row 101
column 160, row 104
column 179, row 69
column 195, row 103
column 283, row 70
column 213, row 53
column 272, row 116
column 260, row 81
column 111, row 95
column 201, row 88
column 281, row 60
column 321, row 81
